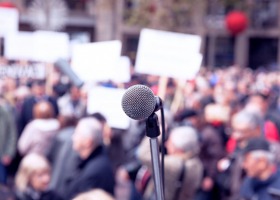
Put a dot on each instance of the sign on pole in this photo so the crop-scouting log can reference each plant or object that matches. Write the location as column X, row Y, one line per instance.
column 169, row 54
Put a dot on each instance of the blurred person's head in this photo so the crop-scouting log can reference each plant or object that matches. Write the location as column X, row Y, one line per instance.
column 223, row 94
column 188, row 117
column 245, row 125
column 258, row 103
column 38, row 88
column 75, row 93
column 21, row 93
column 87, row 136
column 183, row 140
column 258, row 161
column 95, row 194
column 34, row 171
column 107, row 130
column 43, row 110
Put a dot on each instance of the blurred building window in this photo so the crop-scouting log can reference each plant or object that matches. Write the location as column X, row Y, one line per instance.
column 264, row 14
column 221, row 50
column 263, row 52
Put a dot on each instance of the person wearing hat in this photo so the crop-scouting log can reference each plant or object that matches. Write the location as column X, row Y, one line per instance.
column 262, row 181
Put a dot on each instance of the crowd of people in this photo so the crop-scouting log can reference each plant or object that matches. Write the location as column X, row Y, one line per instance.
column 222, row 140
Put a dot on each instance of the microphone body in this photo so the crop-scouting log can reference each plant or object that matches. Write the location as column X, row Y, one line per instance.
column 65, row 68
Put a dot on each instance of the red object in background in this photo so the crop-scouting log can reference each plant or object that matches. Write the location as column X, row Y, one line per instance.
column 7, row 5
column 236, row 22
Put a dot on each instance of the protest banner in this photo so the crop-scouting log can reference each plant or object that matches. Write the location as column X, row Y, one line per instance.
column 40, row 46
column 9, row 20
column 107, row 101
column 169, row 54
column 16, row 71
column 96, row 61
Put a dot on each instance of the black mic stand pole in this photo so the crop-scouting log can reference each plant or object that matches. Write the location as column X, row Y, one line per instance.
column 153, row 131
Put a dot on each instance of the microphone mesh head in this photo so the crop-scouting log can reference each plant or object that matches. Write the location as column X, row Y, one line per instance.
column 138, row 102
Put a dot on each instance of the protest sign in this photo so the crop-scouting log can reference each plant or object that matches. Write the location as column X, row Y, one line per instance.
column 40, row 46
column 33, row 71
column 9, row 20
column 169, row 54
column 107, row 101
column 96, row 61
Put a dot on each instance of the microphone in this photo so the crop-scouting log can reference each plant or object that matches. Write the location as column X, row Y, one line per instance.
column 139, row 102
column 65, row 68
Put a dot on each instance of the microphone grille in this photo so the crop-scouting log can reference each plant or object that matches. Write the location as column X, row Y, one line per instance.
column 138, row 102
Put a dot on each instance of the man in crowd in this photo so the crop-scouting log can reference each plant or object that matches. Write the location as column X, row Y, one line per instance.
column 183, row 169
column 246, row 126
column 94, row 169
column 262, row 181
column 8, row 138
column 38, row 90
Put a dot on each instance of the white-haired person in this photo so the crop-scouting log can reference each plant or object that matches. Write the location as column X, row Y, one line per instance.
column 94, row 168
column 95, row 194
column 262, row 179
column 183, row 169
column 33, row 178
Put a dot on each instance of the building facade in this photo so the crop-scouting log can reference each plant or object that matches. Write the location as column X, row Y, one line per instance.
column 98, row 20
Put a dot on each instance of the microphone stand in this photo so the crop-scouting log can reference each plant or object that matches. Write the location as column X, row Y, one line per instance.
column 153, row 131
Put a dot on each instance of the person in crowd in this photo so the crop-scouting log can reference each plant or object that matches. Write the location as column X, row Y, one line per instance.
column 6, row 193
column 72, row 104
column 262, row 179
column 246, row 125
column 61, row 154
column 94, row 169
column 213, row 138
column 38, row 90
column 33, row 178
column 8, row 139
column 39, row 134
column 95, row 194
column 183, row 168
column 260, row 104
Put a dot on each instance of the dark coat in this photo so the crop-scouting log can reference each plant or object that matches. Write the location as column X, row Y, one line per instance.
column 26, row 114
column 94, row 172
column 253, row 189
column 32, row 195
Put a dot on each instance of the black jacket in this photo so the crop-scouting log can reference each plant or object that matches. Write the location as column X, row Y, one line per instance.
column 94, row 172
column 32, row 195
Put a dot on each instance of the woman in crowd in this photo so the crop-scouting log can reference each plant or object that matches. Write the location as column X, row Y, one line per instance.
column 39, row 134
column 33, row 178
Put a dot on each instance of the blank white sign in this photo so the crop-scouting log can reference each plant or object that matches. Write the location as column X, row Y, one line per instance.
column 9, row 20
column 96, row 61
column 163, row 53
column 41, row 46
column 107, row 101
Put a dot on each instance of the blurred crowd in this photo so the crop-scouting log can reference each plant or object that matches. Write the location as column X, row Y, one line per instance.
column 222, row 140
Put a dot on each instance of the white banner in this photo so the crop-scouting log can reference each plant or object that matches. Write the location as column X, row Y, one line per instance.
column 51, row 46
column 34, row 71
column 9, row 20
column 96, row 61
column 40, row 46
column 174, row 55
column 107, row 101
